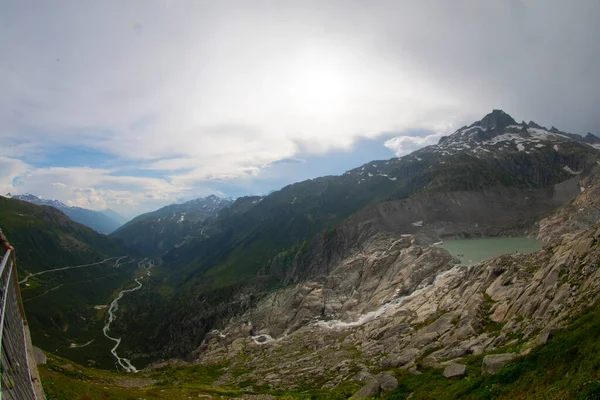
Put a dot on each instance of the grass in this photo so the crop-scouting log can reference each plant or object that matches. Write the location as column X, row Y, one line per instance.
column 64, row 380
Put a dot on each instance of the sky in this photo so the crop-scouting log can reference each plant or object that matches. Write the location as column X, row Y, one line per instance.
column 132, row 105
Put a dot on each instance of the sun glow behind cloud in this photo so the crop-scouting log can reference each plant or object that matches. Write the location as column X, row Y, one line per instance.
column 171, row 99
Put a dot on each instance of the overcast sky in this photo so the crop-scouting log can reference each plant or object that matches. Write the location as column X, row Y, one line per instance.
column 136, row 104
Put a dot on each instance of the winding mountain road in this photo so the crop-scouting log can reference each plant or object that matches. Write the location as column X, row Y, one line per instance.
column 73, row 267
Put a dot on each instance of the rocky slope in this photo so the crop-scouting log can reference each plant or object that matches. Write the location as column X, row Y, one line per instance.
column 156, row 232
column 421, row 220
column 101, row 221
column 299, row 232
column 579, row 214
column 393, row 304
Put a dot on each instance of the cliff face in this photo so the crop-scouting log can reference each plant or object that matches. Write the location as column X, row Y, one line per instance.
column 424, row 219
column 577, row 215
column 385, row 300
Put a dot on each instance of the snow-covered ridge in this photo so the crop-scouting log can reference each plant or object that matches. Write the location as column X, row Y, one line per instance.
column 30, row 198
column 481, row 142
column 494, row 135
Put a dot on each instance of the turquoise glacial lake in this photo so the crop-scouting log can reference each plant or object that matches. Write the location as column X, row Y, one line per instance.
column 471, row 251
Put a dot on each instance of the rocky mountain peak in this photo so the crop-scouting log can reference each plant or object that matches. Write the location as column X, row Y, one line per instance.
column 532, row 124
column 554, row 129
column 498, row 133
column 31, row 198
column 497, row 120
column 591, row 138
column 97, row 220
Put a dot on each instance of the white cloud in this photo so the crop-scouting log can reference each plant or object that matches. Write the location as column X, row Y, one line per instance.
column 209, row 91
column 402, row 145
column 93, row 188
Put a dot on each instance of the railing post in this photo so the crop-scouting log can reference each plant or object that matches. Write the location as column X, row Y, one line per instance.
column 17, row 287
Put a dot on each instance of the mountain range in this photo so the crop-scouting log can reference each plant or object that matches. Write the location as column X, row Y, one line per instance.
column 483, row 180
column 105, row 221
column 155, row 232
column 338, row 286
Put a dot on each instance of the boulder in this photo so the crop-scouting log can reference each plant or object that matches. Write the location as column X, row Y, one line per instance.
column 493, row 363
column 583, row 246
column 400, row 359
column 454, row 370
column 387, row 381
column 371, row 389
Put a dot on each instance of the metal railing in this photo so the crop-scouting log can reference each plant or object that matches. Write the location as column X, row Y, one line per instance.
column 15, row 371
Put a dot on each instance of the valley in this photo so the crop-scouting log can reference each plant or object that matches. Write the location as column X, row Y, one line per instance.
column 114, row 306
column 438, row 266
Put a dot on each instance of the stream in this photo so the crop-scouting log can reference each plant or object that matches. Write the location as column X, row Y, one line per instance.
column 114, row 306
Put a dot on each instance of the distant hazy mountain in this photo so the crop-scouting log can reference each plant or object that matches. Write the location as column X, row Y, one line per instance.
column 112, row 214
column 101, row 221
column 156, row 232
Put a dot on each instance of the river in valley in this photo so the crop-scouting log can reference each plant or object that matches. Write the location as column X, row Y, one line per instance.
column 471, row 251
column 114, row 306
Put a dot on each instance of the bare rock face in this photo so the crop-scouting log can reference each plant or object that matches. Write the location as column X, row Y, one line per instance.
column 446, row 315
column 580, row 214
column 494, row 362
column 453, row 370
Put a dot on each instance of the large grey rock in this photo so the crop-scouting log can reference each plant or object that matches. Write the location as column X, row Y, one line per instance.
column 454, row 370
column 400, row 359
column 493, row 363
column 387, row 381
column 369, row 390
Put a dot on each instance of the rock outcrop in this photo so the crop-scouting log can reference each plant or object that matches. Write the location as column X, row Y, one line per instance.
column 396, row 304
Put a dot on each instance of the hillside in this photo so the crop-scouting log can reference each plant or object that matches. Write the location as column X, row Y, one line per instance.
column 60, row 304
column 100, row 221
column 155, row 232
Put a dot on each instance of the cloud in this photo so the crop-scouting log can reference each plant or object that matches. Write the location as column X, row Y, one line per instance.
column 405, row 144
column 88, row 198
column 289, row 160
column 93, row 188
column 198, row 93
